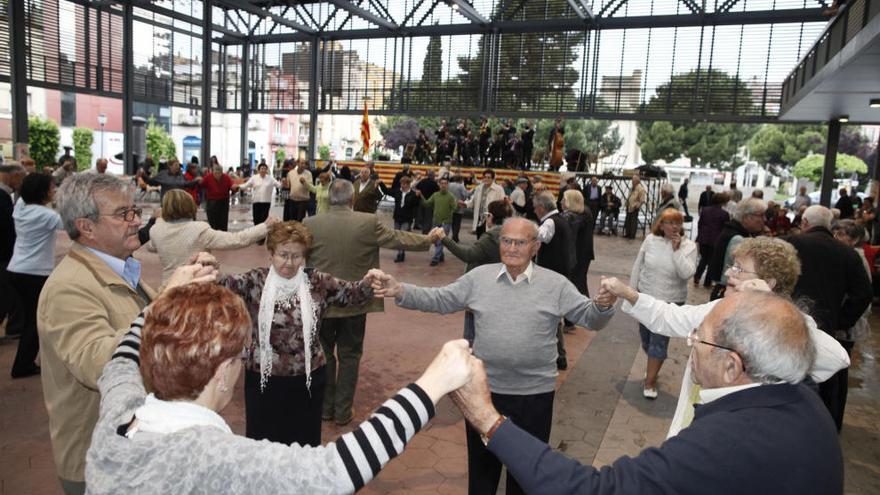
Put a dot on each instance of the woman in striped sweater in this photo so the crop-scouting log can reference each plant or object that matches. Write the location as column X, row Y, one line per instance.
column 186, row 350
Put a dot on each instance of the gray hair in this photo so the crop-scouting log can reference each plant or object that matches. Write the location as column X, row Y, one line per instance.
column 12, row 168
column 736, row 195
column 667, row 188
column 545, row 200
column 750, row 206
column 76, row 198
column 341, row 192
column 771, row 336
column 512, row 220
column 818, row 216
column 852, row 230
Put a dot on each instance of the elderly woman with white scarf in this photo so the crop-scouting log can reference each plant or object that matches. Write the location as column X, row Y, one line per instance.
column 284, row 364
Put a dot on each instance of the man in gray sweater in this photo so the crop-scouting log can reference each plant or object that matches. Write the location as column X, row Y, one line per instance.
column 517, row 306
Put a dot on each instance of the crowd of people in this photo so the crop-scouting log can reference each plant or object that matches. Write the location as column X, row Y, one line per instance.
column 134, row 378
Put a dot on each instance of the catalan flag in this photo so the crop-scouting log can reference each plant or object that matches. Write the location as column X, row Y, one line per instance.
column 365, row 130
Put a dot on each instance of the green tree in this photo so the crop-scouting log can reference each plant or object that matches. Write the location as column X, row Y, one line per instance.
column 43, row 141
column 324, row 152
column 811, row 166
column 784, row 145
column 432, row 67
column 661, row 141
column 280, row 155
column 159, row 143
column 703, row 94
column 83, row 137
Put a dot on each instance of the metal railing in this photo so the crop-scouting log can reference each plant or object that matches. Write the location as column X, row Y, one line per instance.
column 852, row 17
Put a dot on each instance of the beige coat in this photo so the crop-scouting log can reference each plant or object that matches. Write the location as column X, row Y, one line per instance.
column 346, row 245
column 298, row 190
column 637, row 197
column 84, row 308
column 494, row 193
column 177, row 242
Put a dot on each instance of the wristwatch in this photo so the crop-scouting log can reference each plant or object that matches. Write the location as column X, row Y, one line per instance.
column 485, row 437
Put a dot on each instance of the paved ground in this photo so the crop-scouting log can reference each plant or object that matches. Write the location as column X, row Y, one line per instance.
column 600, row 413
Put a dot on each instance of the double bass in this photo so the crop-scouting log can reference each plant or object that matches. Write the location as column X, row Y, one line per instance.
column 556, row 144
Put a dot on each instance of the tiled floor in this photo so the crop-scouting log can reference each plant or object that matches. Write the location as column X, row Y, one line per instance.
column 599, row 414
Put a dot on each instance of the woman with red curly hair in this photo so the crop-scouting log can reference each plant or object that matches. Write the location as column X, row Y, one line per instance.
column 186, row 350
column 285, row 370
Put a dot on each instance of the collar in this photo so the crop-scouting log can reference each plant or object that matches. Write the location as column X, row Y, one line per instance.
column 773, row 395
column 545, row 217
column 129, row 270
column 164, row 417
column 6, row 188
column 526, row 275
column 707, row 395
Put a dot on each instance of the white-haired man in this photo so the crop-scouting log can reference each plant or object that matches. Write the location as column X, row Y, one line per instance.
column 517, row 306
column 834, row 279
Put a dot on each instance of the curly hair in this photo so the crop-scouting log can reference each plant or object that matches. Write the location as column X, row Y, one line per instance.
column 774, row 259
column 188, row 332
column 290, row 231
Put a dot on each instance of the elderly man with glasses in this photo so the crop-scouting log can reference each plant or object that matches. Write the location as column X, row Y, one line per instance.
column 517, row 306
column 87, row 304
column 759, row 429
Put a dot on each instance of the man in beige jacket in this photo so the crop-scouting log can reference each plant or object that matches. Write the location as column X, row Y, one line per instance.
column 297, row 203
column 346, row 245
column 87, row 304
column 638, row 196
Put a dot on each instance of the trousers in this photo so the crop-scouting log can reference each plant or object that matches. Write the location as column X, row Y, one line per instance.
column 218, row 213
column 345, row 336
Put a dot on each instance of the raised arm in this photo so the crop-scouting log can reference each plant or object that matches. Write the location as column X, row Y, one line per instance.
column 218, row 239
column 582, row 310
column 344, row 293
column 478, row 252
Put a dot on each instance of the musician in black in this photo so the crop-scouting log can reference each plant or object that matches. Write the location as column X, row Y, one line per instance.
column 528, row 144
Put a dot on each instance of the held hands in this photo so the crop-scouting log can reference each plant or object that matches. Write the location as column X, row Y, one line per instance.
column 754, row 284
column 613, row 286
column 272, row 220
column 302, row 180
column 384, row 285
column 462, row 204
column 451, row 369
column 436, row 234
column 475, row 401
column 418, row 193
column 192, row 274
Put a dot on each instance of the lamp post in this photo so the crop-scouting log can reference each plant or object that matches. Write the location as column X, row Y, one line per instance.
column 102, row 120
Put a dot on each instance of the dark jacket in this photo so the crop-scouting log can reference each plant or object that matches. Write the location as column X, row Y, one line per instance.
column 484, row 251
column 405, row 206
column 558, row 254
column 367, row 196
column 7, row 229
column 833, row 280
column 609, row 203
column 427, row 187
column 582, row 232
column 705, row 199
column 730, row 230
column 845, row 205
column 769, row 439
column 712, row 219
column 166, row 181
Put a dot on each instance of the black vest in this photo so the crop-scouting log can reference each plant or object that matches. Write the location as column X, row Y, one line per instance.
column 558, row 254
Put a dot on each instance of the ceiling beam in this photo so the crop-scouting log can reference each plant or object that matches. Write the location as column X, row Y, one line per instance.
column 580, row 9
column 248, row 7
column 364, row 14
column 468, row 11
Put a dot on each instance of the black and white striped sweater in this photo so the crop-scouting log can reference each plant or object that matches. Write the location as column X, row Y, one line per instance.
column 207, row 460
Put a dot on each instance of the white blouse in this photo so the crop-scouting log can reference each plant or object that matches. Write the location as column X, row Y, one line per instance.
column 663, row 272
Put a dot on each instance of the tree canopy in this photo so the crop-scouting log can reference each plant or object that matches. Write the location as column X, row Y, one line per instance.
column 811, row 166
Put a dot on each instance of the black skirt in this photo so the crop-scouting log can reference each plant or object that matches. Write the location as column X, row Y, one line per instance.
column 285, row 411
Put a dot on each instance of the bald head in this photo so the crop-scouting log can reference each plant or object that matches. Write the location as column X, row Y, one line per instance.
column 768, row 333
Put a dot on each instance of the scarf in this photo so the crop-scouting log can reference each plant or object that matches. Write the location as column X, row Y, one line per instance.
column 287, row 293
column 161, row 416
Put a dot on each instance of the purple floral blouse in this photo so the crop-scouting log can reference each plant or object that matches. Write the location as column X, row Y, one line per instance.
column 286, row 335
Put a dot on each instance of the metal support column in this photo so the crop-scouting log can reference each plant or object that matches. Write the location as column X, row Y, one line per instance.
column 18, row 74
column 129, row 162
column 313, row 100
column 205, row 151
column 245, row 100
column 830, row 162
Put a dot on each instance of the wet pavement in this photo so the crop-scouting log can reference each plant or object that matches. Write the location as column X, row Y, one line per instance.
column 599, row 415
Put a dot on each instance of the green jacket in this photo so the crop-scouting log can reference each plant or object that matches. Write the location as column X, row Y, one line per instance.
column 444, row 203
column 484, row 251
column 346, row 245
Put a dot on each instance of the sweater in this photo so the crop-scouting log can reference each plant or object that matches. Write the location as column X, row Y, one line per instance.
column 769, row 439
column 207, row 460
column 35, row 227
column 444, row 204
column 515, row 323
column 177, row 241
column 662, row 272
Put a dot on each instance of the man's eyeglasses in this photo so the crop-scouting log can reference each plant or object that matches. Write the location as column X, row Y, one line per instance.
column 127, row 214
column 693, row 339
column 507, row 242
column 736, row 270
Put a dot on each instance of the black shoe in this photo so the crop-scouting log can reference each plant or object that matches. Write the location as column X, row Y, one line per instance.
column 561, row 363
column 31, row 371
column 399, row 259
column 434, row 262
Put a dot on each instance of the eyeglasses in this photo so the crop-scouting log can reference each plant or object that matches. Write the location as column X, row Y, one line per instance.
column 736, row 270
column 693, row 339
column 127, row 214
column 519, row 243
column 288, row 256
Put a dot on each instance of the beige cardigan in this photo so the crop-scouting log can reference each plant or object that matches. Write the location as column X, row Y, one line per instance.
column 176, row 242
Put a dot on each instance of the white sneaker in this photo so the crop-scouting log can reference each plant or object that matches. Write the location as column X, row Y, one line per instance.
column 650, row 393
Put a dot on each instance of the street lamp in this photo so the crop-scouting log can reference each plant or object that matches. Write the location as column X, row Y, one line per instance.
column 102, row 119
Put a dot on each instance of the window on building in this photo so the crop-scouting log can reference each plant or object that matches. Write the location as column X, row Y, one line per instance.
column 277, row 126
column 68, row 109
column 290, row 129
